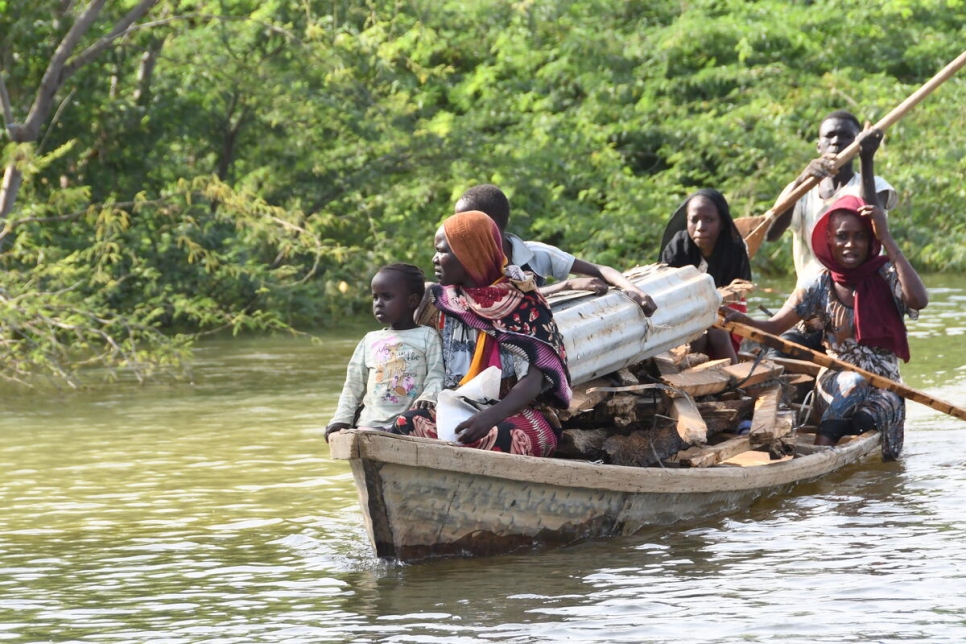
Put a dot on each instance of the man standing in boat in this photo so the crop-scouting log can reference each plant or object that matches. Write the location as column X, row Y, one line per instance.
column 837, row 131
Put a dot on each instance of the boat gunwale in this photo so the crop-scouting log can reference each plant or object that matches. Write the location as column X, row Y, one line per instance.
column 434, row 454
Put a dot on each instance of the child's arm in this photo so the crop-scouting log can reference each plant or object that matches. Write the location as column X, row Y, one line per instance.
column 353, row 391
column 434, row 372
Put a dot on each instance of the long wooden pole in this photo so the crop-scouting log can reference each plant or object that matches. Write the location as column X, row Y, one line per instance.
column 804, row 353
column 754, row 238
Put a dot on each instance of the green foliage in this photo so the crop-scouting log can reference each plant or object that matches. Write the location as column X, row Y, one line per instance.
column 275, row 154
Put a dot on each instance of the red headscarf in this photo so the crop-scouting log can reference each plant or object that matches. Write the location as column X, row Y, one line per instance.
column 878, row 323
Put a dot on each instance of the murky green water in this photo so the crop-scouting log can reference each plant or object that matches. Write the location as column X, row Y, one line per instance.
column 213, row 513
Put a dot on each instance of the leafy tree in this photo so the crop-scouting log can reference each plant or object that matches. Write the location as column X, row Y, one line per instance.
column 247, row 165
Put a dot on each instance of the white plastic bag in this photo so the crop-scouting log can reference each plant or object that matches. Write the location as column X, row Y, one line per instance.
column 453, row 406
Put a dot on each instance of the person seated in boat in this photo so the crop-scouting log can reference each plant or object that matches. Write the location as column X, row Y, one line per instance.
column 546, row 261
column 395, row 368
column 490, row 313
column 701, row 233
column 836, row 132
column 861, row 297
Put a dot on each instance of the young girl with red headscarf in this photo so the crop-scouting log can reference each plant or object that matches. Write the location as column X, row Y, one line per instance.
column 491, row 314
column 861, row 298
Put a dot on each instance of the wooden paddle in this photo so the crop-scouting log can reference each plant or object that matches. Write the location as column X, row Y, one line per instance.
column 754, row 238
column 804, row 353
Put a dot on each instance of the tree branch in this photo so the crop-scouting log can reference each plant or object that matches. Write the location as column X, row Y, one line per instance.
column 7, row 107
column 53, row 75
column 53, row 121
column 122, row 28
column 13, row 224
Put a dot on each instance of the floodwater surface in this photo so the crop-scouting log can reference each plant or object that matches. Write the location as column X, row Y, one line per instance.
column 212, row 512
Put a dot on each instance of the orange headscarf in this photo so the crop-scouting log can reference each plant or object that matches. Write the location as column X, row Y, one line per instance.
column 477, row 243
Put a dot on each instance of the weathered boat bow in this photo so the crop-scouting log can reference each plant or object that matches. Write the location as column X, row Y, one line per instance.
column 427, row 498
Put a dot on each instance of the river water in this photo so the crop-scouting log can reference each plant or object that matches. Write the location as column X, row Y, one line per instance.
column 212, row 512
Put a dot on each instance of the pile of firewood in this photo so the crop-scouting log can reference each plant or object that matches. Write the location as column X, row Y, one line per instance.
column 679, row 409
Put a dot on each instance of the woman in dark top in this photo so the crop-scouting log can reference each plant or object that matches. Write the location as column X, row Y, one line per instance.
column 702, row 234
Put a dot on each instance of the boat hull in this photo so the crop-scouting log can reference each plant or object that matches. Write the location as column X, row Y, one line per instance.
column 423, row 498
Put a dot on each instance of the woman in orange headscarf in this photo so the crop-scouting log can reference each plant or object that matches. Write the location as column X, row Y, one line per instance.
column 491, row 314
column 860, row 298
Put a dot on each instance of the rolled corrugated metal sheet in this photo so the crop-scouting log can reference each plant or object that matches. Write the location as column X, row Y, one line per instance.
column 609, row 332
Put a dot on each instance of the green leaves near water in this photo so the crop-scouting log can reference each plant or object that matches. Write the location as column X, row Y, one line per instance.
column 248, row 165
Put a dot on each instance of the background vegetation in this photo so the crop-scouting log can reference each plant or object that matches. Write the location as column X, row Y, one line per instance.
column 247, row 164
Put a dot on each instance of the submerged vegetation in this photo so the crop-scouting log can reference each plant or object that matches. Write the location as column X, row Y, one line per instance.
column 175, row 168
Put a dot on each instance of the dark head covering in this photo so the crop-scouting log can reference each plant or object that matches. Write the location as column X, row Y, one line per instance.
column 729, row 259
column 878, row 323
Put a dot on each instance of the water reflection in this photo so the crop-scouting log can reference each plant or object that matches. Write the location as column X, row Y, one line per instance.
column 212, row 512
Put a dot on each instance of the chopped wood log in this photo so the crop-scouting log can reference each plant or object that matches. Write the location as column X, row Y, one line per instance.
column 714, row 409
column 678, row 358
column 690, row 425
column 719, row 425
column 622, row 408
column 602, row 416
column 784, row 423
column 699, row 383
column 790, row 364
column 713, row 454
column 716, row 378
column 644, row 448
column 692, row 360
column 710, row 364
column 718, row 417
column 625, row 377
column 795, row 386
column 742, row 406
column 666, row 362
column 584, row 400
column 586, row 444
column 763, row 420
column 747, row 374
column 796, row 379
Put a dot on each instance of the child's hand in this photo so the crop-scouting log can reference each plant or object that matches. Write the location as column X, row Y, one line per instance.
column 335, row 427
column 423, row 404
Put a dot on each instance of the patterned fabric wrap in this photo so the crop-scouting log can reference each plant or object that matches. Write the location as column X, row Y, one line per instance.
column 843, row 393
column 532, row 432
column 878, row 323
column 518, row 321
column 817, row 300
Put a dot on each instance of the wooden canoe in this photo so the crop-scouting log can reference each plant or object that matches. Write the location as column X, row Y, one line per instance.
column 425, row 498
